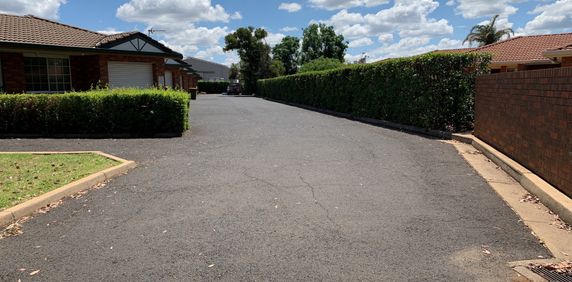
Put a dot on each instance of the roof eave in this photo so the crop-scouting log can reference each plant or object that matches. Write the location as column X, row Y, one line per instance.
column 16, row 45
column 557, row 53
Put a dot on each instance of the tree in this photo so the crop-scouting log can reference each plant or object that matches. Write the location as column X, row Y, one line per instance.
column 321, row 64
column 254, row 53
column 487, row 34
column 288, row 52
column 234, row 71
column 321, row 41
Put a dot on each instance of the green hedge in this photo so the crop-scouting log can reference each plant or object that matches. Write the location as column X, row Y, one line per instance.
column 213, row 87
column 139, row 112
column 433, row 91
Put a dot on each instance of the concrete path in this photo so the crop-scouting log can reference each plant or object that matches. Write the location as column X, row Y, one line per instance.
column 262, row 191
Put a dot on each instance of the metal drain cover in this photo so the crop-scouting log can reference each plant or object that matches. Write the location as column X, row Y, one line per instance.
column 552, row 275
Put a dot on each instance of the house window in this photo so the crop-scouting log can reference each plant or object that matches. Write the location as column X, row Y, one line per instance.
column 47, row 74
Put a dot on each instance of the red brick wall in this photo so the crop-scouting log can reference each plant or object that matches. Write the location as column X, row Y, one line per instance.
column 567, row 62
column 528, row 116
column 13, row 72
column 158, row 65
column 84, row 72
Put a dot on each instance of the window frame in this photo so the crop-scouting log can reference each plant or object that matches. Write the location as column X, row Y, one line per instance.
column 46, row 59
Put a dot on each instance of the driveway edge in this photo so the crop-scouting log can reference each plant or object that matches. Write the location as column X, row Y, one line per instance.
column 551, row 197
column 11, row 215
column 382, row 123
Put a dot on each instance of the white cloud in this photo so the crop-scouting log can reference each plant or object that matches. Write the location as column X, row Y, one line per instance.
column 274, row 38
column 288, row 29
column 385, row 37
column 41, row 8
column 236, row 16
column 110, row 30
column 345, row 4
column 554, row 17
column 412, row 46
column 172, row 11
column 209, row 53
column 474, row 9
column 290, row 7
column 362, row 42
column 406, row 17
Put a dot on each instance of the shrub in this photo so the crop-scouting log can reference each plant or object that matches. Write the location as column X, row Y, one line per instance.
column 320, row 65
column 213, row 87
column 139, row 112
column 434, row 91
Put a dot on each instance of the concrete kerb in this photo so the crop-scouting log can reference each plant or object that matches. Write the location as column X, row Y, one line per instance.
column 11, row 215
column 551, row 197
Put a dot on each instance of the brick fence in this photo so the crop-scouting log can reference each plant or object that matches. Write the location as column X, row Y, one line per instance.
column 528, row 116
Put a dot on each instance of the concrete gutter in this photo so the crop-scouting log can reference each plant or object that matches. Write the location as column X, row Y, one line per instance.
column 551, row 197
column 11, row 215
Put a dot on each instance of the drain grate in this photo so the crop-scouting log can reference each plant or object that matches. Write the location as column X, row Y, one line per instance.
column 552, row 275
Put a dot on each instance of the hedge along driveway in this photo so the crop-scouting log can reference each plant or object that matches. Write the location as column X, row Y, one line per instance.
column 132, row 112
column 433, row 91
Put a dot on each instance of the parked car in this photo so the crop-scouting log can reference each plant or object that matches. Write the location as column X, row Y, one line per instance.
column 234, row 88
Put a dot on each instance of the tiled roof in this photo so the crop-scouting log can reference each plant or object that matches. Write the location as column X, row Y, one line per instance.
column 113, row 37
column 34, row 30
column 453, row 51
column 525, row 48
column 563, row 48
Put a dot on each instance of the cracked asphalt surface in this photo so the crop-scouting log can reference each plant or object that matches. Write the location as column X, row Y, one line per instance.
column 260, row 191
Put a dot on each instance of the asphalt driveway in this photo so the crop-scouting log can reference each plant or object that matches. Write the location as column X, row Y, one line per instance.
column 263, row 191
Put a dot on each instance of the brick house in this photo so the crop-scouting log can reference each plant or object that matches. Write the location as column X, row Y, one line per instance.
column 525, row 52
column 562, row 55
column 39, row 55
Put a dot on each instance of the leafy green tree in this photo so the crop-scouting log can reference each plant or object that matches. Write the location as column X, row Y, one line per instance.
column 277, row 68
column 321, row 41
column 288, row 52
column 254, row 55
column 487, row 34
column 321, row 64
column 234, row 71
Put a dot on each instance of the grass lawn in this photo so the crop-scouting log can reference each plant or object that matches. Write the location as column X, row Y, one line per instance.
column 24, row 176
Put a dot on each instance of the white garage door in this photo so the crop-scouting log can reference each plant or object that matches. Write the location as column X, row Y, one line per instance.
column 169, row 79
column 128, row 74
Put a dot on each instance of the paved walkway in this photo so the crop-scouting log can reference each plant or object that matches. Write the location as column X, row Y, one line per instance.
column 262, row 191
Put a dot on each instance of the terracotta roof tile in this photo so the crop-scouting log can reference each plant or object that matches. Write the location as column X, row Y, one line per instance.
column 525, row 48
column 453, row 51
column 117, row 36
column 33, row 30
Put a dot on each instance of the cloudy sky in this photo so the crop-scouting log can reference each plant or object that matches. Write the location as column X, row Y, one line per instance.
column 377, row 28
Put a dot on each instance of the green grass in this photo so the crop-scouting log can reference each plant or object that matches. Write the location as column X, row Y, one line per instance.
column 24, row 176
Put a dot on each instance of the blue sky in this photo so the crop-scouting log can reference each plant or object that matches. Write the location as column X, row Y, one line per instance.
column 376, row 28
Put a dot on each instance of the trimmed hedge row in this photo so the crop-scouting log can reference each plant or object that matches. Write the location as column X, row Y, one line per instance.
column 139, row 112
column 213, row 87
column 434, row 91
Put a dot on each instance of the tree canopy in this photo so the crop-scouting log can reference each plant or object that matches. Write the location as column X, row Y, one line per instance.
column 254, row 53
column 321, row 41
column 321, row 64
column 288, row 53
column 487, row 34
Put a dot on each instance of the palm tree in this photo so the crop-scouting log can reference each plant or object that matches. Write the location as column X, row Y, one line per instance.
column 487, row 34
